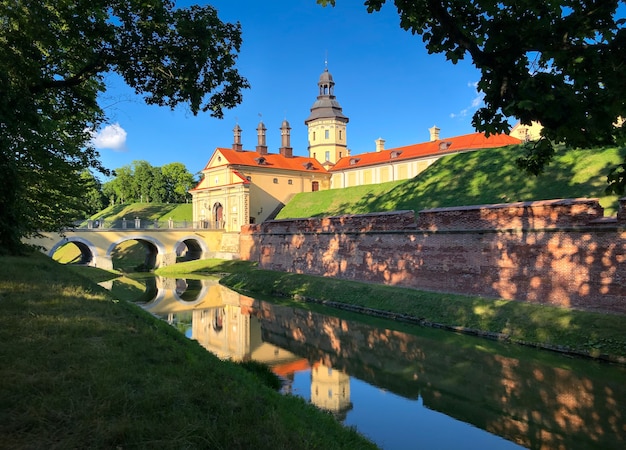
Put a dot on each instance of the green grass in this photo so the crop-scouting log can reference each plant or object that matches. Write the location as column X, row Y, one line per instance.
column 206, row 266
column 593, row 334
column 147, row 211
column 475, row 178
column 81, row 369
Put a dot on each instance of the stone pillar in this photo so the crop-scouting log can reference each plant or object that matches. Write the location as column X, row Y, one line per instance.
column 137, row 222
column 103, row 262
column 166, row 259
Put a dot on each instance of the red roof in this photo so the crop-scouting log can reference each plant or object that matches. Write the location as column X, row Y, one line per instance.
column 474, row 141
column 270, row 160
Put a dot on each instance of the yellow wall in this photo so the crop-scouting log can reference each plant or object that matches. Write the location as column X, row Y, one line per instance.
column 334, row 144
column 256, row 201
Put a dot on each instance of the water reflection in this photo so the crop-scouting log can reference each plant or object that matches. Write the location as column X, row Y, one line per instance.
column 398, row 387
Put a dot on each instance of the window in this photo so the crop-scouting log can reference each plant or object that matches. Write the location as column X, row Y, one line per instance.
column 315, row 186
column 326, row 134
column 339, row 134
column 289, row 181
column 314, row 135
column 327, row 156
column 249, row 178
column 275, row 180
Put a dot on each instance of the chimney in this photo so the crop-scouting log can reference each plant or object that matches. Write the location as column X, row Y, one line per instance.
column 434, row 133
column 285, row 140
column 380, row 145
column 261, row 146
column 237, row 143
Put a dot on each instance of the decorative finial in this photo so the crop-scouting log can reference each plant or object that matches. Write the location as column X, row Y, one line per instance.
column 326, row 60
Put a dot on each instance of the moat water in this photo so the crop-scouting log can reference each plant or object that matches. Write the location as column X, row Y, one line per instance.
column 405, row 387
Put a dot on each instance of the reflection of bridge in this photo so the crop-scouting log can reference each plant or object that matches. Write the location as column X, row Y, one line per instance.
column 162, row 245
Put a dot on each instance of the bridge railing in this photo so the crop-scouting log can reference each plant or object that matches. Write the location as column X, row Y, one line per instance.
column 143, row 224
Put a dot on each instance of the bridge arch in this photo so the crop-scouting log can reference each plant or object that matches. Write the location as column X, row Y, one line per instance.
column 88, row 251
column 190, row 291
column 156, row 253
column 196, row 248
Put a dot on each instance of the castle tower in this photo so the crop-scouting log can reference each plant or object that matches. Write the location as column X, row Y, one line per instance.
column 327, row 125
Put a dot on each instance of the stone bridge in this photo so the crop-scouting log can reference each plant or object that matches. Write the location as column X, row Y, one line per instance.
column 162, row 245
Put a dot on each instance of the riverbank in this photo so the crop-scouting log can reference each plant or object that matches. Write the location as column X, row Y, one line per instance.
column 577, row 333
column 584, row 334
column 82, row 369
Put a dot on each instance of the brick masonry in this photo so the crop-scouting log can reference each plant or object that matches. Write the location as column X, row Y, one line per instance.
column 558, row 252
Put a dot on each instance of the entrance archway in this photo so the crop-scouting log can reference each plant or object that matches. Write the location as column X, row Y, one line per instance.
column 218, row 215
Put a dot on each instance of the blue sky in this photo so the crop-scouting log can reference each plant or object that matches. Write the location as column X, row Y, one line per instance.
column 386, row 82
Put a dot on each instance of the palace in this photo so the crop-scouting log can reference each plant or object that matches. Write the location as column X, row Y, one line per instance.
column 240, row 186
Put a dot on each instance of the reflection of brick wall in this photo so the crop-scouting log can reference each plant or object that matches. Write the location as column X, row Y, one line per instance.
column 554, row 252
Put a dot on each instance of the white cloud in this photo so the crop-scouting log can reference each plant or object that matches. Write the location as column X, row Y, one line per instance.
column 112, row 137
column 476, row 103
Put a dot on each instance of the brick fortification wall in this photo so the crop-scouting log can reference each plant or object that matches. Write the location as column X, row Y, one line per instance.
column 558, row 252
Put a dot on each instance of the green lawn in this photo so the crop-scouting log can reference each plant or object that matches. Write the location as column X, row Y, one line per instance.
column 147, row 211
column 82, row 369
column 474, row 178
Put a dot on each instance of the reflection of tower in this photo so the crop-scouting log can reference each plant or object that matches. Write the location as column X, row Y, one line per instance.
column 330, row 390
column 223, row 331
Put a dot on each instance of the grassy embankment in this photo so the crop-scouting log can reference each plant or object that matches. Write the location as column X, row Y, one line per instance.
column 587, row 334
column 162, row 212
column 81, row 369
column 483, row 177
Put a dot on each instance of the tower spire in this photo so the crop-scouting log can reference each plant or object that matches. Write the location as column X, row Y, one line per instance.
column 327, row 124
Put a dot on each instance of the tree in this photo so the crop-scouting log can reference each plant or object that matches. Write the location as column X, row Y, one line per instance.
column 560, row 63
column 53, row 58
column 93, row 197
column 178, row 182
column 143, row 178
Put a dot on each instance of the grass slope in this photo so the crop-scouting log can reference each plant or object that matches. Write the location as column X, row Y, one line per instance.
column 474, row 178
column 147, row 211
column 81, row 369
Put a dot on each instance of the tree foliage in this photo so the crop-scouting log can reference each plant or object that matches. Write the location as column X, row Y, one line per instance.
column 142, row 182
column 53, row 58
column 560, row 63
